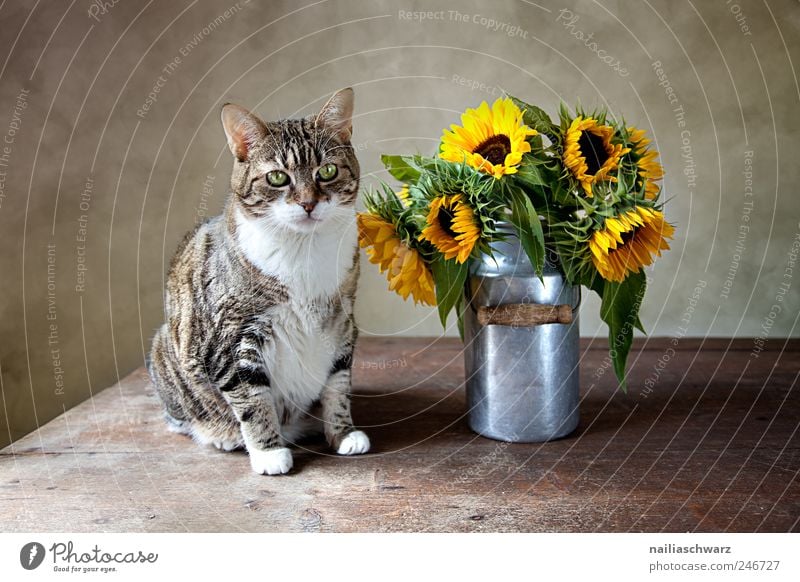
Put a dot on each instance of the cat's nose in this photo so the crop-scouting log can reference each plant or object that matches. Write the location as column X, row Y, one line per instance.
column 308, row 206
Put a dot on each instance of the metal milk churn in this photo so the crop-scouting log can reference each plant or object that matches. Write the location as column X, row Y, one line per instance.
column 521, row 347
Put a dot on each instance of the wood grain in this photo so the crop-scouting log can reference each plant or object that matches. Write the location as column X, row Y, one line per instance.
column 524, row 314
column 713, row 445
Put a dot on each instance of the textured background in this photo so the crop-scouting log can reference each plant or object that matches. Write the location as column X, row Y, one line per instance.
column 76, row 314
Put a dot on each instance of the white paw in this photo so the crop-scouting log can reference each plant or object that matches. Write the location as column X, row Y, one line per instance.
column 355, row 443
column 271, row 462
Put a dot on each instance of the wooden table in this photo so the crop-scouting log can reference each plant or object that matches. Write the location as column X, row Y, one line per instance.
column 713, row 447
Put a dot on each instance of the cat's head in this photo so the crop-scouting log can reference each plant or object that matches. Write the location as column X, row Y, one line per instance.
column 295, row 174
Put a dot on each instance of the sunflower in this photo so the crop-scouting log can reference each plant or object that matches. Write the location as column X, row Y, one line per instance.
column 408, row 274
column 451, row 227
column 405, row 270
column 589, row 153
column 650, row 171
column 491, row 140
column 628, row 242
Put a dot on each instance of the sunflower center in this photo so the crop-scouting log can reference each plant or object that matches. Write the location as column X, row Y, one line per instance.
column 494, row 149
column 593, row 150
column 446, row 218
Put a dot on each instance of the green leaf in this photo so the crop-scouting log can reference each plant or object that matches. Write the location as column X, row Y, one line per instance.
column 400, row 169
column 460, row 311
column 529, row 229
column 536, row 118
column 564, row 197
column 620, row 310
column 596, row 283
column 563, row 112
column 449, row 277
column 529, row 174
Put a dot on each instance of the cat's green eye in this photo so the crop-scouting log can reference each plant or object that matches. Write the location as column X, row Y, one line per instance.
column 277, row 178
column 328, row 172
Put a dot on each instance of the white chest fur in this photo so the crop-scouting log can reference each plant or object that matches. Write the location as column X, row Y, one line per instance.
column 312, row 266
column 299, row 357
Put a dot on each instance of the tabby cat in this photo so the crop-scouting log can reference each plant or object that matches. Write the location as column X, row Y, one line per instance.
column 257, row 346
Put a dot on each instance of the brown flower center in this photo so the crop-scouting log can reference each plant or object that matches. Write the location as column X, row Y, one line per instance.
column 593, row 150
column 446, row 217
column 494, row 149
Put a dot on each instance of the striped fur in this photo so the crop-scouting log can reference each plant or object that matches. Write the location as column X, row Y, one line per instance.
column 259, row 334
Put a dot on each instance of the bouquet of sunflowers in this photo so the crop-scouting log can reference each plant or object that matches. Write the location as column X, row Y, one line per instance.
column 585, row 187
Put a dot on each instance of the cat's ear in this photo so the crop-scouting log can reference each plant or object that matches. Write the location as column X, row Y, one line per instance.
column 337, row 114
column 242, row 128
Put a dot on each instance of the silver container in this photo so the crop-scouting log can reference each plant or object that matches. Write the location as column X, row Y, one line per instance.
column 521, row 378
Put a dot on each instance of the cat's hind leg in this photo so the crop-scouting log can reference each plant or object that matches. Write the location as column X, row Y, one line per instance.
column 222, row 434
column 198, row 413
column 168, row 382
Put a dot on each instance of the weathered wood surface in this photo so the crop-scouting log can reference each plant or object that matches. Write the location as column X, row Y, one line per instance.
column 524, row 314
column 713, row 447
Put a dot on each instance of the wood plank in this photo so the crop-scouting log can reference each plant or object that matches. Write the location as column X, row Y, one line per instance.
column 713, row 446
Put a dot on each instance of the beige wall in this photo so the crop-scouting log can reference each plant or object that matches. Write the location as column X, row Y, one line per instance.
column 85, row 311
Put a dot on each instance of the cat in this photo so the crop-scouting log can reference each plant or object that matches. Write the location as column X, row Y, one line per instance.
column 257, row 348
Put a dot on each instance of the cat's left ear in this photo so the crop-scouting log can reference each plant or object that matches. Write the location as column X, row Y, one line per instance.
column 337, row 114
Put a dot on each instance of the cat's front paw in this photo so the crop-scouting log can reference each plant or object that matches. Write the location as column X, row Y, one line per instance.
column 355, row 443
column 271, row 462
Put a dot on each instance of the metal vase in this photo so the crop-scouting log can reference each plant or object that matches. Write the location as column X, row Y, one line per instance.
column 522, row 379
